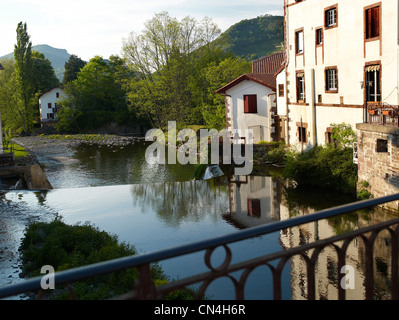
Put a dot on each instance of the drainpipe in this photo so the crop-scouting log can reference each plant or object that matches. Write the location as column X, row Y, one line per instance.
column 287, row 62
column 313, row 107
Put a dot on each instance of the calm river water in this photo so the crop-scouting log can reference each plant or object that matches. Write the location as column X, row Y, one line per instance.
column 157, row 207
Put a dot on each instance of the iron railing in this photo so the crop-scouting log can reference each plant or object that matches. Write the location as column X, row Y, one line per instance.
column 381, row 113
column 144, row 288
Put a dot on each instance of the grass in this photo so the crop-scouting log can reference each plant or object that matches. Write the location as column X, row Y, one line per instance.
column 85, row 137
column 20, row 151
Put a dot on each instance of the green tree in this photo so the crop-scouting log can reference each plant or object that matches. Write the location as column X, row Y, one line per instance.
column 164, row 61
column 24, row 73
column 9, row 98
column 44, row 76
column 94, row 99
column 217, row 75
column 343, row 135
column 72, row 68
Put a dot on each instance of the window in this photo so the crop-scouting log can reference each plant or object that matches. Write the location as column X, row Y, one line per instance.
column 281, row 90
column 50, row 106
column 57, row 94
column 382, row 145
column 250, row 103
column 300, row 86
column 299, row 42
column 331, row 18
column 373, row 84
column 319, row 37
column 372, row 22
column 302, row 136
column 254, row 209
column 331, row 80
column 329, row 137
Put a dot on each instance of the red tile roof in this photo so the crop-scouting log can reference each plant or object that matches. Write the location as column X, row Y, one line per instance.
column 267, row 80
column 269, row 64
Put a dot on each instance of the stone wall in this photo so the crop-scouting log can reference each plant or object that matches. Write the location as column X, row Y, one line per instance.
column 378, row 160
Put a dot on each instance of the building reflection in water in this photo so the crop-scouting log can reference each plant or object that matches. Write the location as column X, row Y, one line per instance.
column 257, row 200
column 254, row 200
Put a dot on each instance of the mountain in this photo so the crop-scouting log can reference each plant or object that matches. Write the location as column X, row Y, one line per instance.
column 250, row 39
column 254, row 38
column 57, row 57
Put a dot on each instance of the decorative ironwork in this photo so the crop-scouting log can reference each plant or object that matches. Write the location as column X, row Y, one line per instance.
column 381, row 113
column 239, row 272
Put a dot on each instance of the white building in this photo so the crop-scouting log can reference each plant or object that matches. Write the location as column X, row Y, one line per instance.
column 340, row 56
column 48, row 104
column 249, row 100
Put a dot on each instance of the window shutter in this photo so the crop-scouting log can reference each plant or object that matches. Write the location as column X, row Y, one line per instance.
column 246, row 104
column 253, row 104
column 376, row 21
column 368, row 24
column 250, row 103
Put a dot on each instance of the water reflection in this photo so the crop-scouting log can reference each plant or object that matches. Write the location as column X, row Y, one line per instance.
column 253, row 200
column 147, row 206
column 177, row 203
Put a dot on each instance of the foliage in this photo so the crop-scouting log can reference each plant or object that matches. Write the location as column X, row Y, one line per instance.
column 63, row 247
column 254, row 38
column 95, row 98
column 177, row 71
column 323, row 167
column 21, row 82
column 343, row 135
column 217, row 74
column 72, row 68
column 9, row 98
column 19, row 151
column 44, row 76
column 24, row 75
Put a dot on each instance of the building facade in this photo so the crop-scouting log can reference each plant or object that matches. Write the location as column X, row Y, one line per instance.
column 340, row 56
column 48, row 104
column 251, row 101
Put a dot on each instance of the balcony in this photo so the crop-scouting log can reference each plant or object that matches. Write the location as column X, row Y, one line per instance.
column 381, row 113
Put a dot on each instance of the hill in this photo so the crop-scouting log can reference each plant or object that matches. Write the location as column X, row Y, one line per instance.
column 57, row 57
column 250, row 39
column 254, row 38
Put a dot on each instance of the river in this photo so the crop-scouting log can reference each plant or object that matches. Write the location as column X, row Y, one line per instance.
column 155, row 207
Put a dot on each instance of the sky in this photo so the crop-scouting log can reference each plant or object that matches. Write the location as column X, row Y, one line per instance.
column 88, row 28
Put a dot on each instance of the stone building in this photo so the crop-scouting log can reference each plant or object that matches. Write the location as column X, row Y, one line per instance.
column 378, row 160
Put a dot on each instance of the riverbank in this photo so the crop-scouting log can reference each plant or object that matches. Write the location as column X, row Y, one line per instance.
column 59, row 148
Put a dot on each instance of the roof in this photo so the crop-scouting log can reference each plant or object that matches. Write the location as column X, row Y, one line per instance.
column 269, row 64
column 279, row 70
column 1, row 67
column 265, row 79
column 50, row 90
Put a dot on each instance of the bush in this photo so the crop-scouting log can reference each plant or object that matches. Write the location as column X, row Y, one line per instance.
column 324, row 167
column 65, row 247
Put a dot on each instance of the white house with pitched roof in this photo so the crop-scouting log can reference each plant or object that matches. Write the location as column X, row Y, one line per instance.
column 48, row 104
column 251, row 100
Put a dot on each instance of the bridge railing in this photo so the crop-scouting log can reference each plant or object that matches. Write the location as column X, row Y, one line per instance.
column 145, row 289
